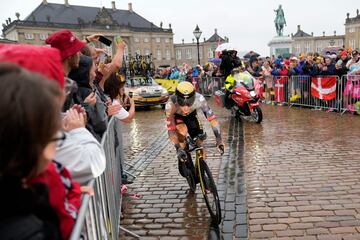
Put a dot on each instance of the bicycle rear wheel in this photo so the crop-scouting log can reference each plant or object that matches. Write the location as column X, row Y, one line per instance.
column 210, row 193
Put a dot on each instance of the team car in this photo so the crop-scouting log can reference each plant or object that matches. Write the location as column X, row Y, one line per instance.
column 146, row 92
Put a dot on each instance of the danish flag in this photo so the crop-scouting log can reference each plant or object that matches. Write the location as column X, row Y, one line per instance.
column 279, row 89
column 323, row 87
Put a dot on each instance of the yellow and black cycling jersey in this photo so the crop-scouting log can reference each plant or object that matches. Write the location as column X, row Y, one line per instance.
column 173, row 112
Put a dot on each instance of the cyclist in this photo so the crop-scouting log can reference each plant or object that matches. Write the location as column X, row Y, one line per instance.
column 182, row 118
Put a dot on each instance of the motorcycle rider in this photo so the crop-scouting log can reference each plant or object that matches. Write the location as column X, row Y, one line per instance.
column 230, row 83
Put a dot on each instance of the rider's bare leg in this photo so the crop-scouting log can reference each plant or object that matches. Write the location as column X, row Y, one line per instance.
column 181, row 132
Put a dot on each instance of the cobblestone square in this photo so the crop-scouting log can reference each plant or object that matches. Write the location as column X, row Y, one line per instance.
column 292, row 177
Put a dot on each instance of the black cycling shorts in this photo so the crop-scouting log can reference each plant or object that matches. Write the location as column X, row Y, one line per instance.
column 192, row 123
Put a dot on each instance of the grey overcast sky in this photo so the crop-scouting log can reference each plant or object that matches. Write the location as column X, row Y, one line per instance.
column 248, row 24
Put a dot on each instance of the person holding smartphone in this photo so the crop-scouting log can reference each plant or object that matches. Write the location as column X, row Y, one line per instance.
column 354, row 60
column 95, row 108
column 116, row 91
column 340, row 65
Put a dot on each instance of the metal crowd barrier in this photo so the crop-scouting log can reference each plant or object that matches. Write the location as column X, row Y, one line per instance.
column 207, row 86
column 297, row 91
column 99, row 215
column 300, row 88
column 350, row 101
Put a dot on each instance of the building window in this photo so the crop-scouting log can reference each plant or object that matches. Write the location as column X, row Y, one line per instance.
column 167, row 40
column 297, row 48
column 188, row 53
column 341, row 42
column 351, row 30
column 307, row 47
column 29, row 36
column 318, row 47
column 201, row 54
column 146, row 40
column 157, row 39
column 43, row 36
column 168, row 54
column 178, row 54
column 352, row 43
column 136, row 40
column 158, row 54
column 147, row 51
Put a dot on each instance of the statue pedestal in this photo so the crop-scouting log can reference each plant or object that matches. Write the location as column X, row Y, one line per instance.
column 281, row 45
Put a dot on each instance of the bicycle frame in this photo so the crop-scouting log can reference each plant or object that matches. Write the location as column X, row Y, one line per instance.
column 199, row 157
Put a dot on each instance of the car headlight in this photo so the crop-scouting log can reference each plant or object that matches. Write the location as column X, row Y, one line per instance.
column 164, row 92
column 133, row 94
column 252, row 93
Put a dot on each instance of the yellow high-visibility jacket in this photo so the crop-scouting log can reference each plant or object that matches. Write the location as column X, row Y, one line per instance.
column 230, row 82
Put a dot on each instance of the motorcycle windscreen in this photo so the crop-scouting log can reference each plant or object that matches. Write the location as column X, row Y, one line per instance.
column 245, row 79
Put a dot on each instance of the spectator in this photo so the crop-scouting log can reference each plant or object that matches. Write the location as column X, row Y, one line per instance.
column 266, row 72
column 295, row 70
column 116, row 91
column 310, row 67
column 84, row 76
column 69, row 47
column 80, row 152
column 254, row 68
column 328, row 68
column 279, row 69
column 354, row 60
column 26, row 210
column 226, row 65
column 340, row 65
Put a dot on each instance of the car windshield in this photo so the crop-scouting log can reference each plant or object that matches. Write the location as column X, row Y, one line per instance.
column 137, row 82
column 245, row 79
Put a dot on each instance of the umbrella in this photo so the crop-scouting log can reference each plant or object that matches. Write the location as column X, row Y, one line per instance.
column 215, row 60
column 250, row 54
column 225, row 46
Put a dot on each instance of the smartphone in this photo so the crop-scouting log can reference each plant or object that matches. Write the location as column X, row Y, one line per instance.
column 105, row 40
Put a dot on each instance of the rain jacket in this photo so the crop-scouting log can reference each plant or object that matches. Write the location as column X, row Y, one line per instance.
column 97, row 117
column 230, row 82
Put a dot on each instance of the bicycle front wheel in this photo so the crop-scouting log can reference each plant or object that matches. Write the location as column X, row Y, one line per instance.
column 210, row 193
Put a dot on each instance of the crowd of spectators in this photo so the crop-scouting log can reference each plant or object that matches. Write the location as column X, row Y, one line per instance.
column 338, row 63
column 55, row 109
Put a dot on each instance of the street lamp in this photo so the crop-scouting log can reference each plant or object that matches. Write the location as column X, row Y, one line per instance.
column 197, row 33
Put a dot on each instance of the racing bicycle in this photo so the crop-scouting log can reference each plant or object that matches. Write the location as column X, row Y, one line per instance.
column 200, row 173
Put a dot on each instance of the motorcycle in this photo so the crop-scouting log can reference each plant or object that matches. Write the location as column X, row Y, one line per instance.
column 245, row 96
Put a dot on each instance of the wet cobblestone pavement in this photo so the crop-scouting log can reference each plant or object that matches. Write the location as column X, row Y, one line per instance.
column 293, row 177
column 302, row 173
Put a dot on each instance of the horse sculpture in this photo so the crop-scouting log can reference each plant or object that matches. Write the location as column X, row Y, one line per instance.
column 280, row 21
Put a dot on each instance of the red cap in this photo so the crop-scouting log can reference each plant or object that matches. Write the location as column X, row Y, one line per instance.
column 286, row 62
column 344, row 53
column 40, row 59
column 66, row 42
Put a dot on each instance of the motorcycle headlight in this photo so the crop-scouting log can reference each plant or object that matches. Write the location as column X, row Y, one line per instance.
column 252, row 93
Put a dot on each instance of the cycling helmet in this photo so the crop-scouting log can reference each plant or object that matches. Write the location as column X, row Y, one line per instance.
column 185, row 94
